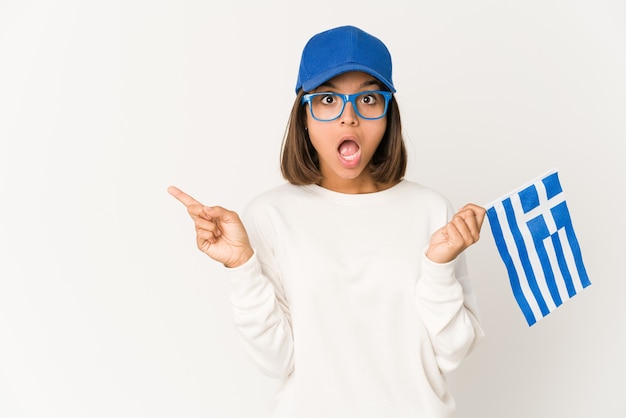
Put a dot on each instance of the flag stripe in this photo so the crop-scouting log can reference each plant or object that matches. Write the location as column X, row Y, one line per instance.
column 511, row 245
column 558, row 272
column 548, row 273
column 538, row 230
column 498, row 235
column 563, row 220
column 562, row 263
column 522, row 252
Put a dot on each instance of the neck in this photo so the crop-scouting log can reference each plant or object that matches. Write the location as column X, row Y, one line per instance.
column 354, row 186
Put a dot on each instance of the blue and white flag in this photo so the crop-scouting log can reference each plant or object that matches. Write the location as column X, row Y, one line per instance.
column 535, row 237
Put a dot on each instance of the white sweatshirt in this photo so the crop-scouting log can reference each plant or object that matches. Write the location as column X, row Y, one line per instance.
column 341, row 304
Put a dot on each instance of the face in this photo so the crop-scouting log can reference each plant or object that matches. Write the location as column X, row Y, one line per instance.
column 346, row 145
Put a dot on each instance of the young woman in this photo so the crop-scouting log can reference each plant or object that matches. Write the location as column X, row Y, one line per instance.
column 349, row 282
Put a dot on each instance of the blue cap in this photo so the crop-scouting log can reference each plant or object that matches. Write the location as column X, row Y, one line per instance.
column 339, row 50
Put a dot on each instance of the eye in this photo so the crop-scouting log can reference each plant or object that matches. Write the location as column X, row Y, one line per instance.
column 328, row 99
column 368, row 98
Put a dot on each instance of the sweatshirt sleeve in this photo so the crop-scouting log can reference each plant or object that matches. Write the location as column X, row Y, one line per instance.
column 261, row 312
column 447, row 307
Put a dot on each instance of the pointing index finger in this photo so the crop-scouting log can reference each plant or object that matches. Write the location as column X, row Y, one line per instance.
column 182, row 197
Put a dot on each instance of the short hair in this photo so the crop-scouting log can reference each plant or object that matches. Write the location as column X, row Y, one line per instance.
column 299, row 162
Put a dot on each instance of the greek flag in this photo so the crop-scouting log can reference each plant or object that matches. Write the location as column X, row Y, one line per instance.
column 533, row 231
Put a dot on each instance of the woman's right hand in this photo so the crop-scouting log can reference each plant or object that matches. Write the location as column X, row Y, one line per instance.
column 220, row 234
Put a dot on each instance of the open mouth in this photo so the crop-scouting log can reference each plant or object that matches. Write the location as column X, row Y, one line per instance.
column 349, row 150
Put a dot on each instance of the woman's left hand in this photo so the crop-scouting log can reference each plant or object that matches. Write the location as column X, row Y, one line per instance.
column 461, row 232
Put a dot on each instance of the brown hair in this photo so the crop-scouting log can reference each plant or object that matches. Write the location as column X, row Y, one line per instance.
column 299, row 162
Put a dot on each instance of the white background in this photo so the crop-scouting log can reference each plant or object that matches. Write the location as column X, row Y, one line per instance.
column 107, row 309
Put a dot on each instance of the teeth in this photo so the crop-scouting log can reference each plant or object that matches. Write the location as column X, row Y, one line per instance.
column 350, row 157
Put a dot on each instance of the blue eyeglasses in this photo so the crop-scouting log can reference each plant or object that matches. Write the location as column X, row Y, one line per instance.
column 369, row 105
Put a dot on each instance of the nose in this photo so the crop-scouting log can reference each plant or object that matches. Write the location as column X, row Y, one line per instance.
column 349, row 116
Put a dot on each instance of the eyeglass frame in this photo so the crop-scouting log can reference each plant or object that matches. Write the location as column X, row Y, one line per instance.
column 347, row 98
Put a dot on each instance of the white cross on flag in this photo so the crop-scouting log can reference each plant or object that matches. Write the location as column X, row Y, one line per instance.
column 535, row 237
